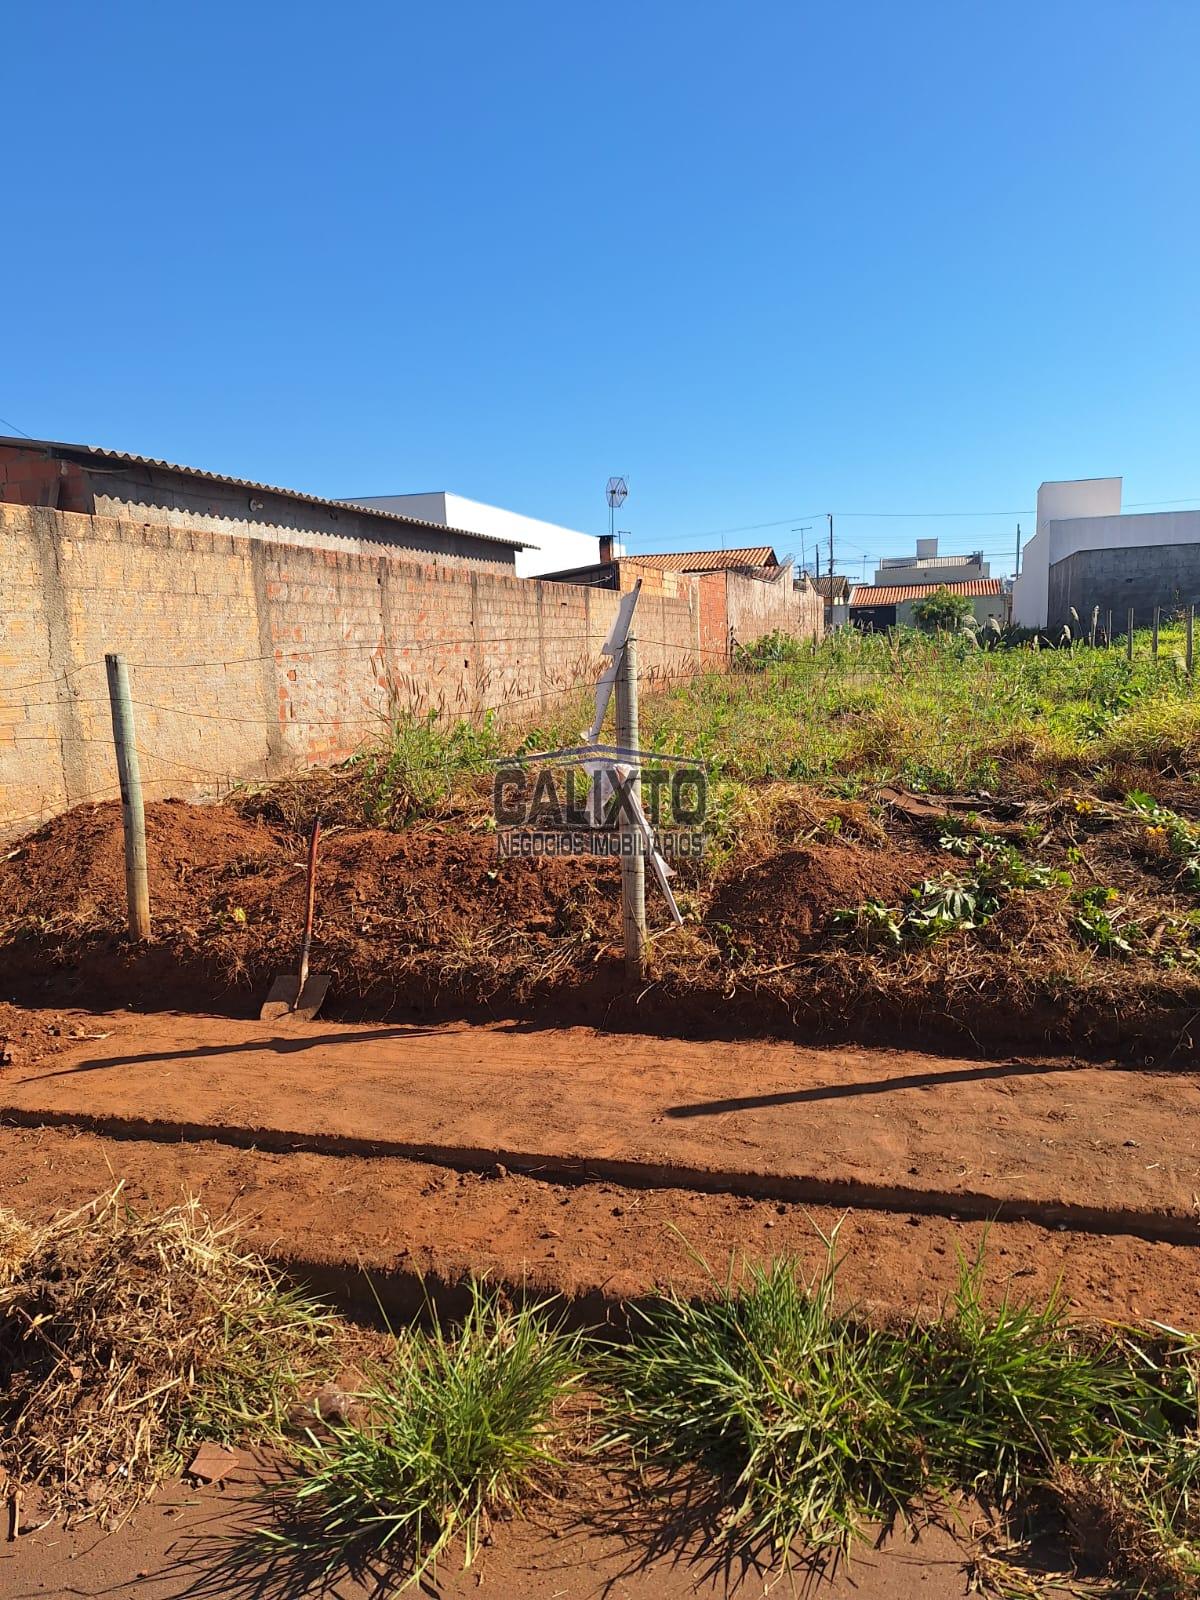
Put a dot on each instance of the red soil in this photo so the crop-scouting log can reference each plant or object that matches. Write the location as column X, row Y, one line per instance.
column 1049, row 1139
column 411, row 1227
column 776, row 905
column 604, row 1538
column 207, row 860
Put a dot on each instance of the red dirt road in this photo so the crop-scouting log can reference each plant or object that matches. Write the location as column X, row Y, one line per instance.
column 399, row 1230
column 1109, row 1149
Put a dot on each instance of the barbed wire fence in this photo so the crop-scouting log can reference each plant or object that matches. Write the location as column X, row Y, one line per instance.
column 352, row 731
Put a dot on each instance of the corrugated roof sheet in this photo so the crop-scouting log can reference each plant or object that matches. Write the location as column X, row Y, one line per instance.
column 892, row 594
column 761, row 555
column 123, row 457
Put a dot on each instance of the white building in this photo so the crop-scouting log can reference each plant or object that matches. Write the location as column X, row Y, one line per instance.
column 929, row 567
column 1086, row 554
column 550, row 548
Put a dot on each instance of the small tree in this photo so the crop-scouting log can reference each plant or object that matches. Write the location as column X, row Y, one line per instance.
column 941, row 610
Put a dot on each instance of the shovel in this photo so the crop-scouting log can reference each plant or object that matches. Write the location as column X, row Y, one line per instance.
column 300, row 994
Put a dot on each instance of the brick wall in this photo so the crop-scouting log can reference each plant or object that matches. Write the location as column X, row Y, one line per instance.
column 250, row 658
column 749, row 606
column 654, row 580
column 31, row 478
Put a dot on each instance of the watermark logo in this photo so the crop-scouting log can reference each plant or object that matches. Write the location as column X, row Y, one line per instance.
column 600, row 800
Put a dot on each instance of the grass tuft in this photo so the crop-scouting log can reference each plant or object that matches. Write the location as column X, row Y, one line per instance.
column 456, row 1429
column 821, row 1427
column 808, row 1413
column 1010, row 1391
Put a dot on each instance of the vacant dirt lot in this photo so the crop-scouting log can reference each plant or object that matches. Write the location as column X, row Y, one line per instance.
column 196, row 1541
column 1053, row 1139
column 428, row 922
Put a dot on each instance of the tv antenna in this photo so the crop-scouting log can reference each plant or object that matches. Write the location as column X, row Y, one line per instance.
column 615, row 494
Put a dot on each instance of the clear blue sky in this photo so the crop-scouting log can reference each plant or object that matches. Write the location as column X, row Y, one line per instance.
column 767, row 259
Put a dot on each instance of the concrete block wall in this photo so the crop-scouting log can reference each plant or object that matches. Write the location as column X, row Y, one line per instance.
column 1145, row 576
column 250, row 658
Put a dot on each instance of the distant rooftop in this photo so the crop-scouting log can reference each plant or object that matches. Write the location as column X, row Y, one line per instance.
column 94, row 455
column 865, row 594
column 761, row 555
column 838, row 584
column 931, row 561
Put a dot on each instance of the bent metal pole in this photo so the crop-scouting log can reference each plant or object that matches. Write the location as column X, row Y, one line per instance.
column 633, row 862
column 133, row 815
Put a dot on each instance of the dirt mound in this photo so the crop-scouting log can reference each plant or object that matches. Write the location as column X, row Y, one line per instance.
column 226, row 894
column 776, row 906
column 210, row 861
column 430, row 921
column 75, row 865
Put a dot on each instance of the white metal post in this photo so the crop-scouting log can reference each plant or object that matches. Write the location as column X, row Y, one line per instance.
column 633, row 862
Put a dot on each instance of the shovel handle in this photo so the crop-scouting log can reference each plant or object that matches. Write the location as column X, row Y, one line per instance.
column 310, row 897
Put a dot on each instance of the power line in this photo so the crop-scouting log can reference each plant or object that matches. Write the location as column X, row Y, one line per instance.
column 799, row 516
column 15, row 429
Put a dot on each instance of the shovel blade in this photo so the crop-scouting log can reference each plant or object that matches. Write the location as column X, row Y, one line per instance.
column 282, row 1001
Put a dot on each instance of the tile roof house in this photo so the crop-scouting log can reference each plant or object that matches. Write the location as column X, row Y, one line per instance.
column 607, row 573
column 878, row 606
column 893, row 594
column 838, row 585
column 749, row 558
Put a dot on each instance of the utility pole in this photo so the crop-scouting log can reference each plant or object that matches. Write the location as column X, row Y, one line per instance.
column 802, row 530
column 133, row 814
column 1017, row 568
column 633, row 863
column 831, row 557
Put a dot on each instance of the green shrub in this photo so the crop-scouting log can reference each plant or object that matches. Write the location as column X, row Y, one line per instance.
column 804, row 1413
column 943, row 610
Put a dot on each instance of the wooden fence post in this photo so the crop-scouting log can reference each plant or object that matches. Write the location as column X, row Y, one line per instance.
column 133, row 814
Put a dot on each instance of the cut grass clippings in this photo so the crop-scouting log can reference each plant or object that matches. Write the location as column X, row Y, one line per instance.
column 125, row 1340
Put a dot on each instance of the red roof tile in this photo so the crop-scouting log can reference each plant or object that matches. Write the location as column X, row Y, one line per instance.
column 894, row 594
column 710, row 560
